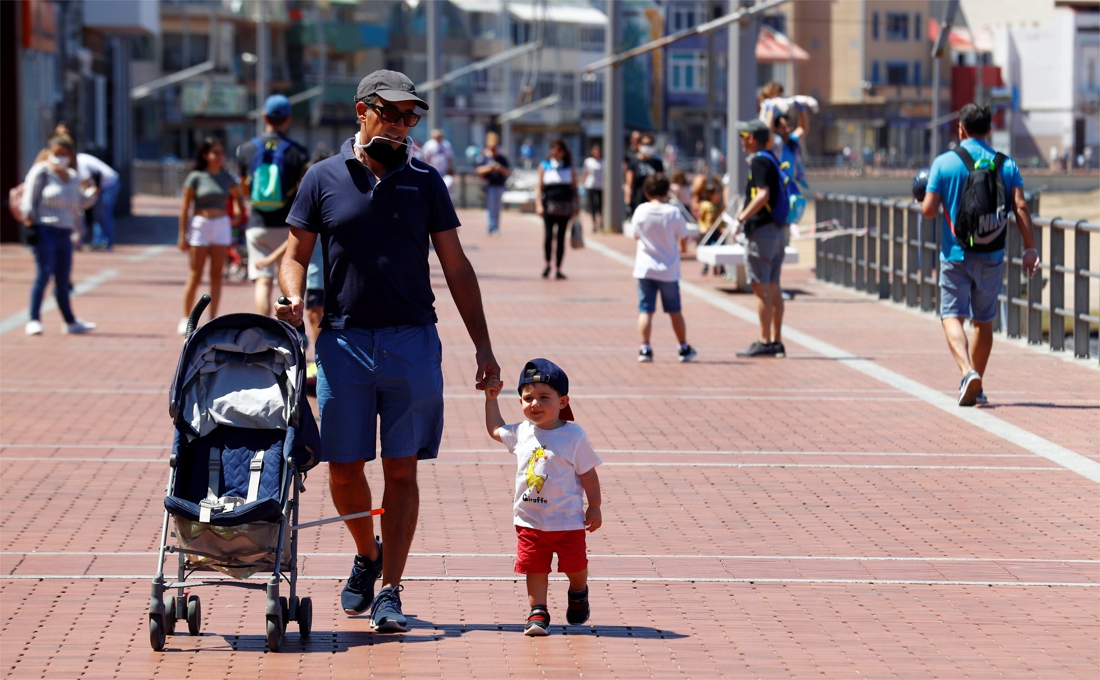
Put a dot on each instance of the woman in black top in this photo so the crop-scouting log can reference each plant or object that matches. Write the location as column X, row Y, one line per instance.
column 556, row 200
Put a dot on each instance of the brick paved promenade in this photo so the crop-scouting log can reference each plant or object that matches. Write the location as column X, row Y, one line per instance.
column 830, row 514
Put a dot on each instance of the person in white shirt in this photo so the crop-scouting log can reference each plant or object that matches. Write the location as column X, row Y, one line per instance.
column 556, row 468
column 593, row 186
column 94, row 172
column 661, row 232
column 439, row 154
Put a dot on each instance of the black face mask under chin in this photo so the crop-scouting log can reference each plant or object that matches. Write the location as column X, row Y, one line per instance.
column 385, row 154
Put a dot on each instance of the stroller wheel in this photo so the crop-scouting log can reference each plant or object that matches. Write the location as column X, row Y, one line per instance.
column 170, row 615
column 194, row 615
column 284, row 604
column 156, row 632
column 274, row 632
column 305, row 617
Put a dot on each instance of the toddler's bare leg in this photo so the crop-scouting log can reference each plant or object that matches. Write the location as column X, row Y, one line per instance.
column 645, row 326
column 537, row 585
column 578, row 580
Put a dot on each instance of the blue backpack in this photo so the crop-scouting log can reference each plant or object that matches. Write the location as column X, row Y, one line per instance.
column 790, row 205
column 268, row 175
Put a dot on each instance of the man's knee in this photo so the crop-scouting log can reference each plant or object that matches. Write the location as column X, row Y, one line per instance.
column 400, row 471
column 346, row 474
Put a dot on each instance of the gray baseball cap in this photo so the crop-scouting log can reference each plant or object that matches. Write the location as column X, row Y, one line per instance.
column 755, row 128
column 391, row 86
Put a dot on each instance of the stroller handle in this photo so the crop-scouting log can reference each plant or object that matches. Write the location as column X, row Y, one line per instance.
column 193, row 320
column 301, row 328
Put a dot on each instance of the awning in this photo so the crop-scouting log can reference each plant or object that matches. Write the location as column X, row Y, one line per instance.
column 526, row 11
column 963, row 39
column 772, row 46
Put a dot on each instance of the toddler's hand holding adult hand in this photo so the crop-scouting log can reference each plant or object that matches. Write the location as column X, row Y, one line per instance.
column 493, row 386
column 593, row 518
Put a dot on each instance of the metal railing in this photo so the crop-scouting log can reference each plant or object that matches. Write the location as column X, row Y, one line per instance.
column 893, row 253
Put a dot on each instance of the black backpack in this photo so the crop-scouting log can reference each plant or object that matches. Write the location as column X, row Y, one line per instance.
column 981, row 221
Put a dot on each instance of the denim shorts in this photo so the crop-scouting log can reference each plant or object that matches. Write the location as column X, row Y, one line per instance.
column 764, row 254
column 388, row 374
column 969, row 289
column 647, row 296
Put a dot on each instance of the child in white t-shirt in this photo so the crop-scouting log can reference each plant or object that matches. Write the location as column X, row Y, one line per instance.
column 661, row 232
column 556, row 468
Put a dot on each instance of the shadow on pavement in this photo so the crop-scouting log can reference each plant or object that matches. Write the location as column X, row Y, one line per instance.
column 147, row 230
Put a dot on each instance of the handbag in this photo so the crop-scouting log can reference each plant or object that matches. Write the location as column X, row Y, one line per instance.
column 576, row 234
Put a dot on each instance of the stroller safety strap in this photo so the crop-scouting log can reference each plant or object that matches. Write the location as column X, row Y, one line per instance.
column 215, row 503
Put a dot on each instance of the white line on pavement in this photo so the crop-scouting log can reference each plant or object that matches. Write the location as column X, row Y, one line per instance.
column 21, row 318
column 148, row 253
column 1018, row 436
column 604, row 579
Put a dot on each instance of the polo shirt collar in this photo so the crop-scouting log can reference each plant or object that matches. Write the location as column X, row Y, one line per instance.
column 980, row 143
column 347, row 151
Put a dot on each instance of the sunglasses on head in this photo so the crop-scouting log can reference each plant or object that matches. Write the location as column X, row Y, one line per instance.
column 392, row 114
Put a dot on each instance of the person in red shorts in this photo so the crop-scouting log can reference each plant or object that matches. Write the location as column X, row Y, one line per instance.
column 556, row 468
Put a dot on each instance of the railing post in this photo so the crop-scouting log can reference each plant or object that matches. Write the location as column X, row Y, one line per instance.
column 1057, row 258
column 860, row 242
column 1035, row 295
column 1080, row 293
column 821, row 210
column 873, row 238
column 883, row 221
column 897, row 262
column 912, row 242
column 928, row 250
column 1013, row 287
column 846, row 259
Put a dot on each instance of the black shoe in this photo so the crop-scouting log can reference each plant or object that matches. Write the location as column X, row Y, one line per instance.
column 538, row 621
column 778, row 349
column 758, row 349
column 706, row 268
column 546, row 272
column 578, row 610
column 358, row 593
column 645, row 356
column 559, row 276
column 687, row 353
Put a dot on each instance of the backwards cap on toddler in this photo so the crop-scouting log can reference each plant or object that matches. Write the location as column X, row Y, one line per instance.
column 546, row 371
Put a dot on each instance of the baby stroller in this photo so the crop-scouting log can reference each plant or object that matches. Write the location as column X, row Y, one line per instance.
column 244, row 438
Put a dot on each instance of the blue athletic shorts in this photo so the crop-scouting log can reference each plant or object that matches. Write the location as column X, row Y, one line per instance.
column 388, row 374
column 969, row 289
column 647, row 296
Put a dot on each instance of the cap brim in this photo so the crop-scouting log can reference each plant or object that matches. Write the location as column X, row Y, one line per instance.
column 566, row 413
column 401, row 96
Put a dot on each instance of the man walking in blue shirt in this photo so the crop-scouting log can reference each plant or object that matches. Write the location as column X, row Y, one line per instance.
column 972, row 267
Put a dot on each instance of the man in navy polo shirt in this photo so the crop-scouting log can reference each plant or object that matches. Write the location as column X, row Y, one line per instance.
column 373, row 209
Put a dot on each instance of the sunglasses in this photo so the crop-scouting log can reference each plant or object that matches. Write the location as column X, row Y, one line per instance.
column 392, row 114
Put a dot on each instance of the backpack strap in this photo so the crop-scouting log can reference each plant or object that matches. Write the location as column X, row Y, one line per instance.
column 999, row 161
column 967, row 159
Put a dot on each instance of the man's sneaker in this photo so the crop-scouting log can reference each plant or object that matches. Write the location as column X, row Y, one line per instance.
column 385, row 613
column 577, row 612
column 78, row 326
column 538, row 621
column 687, row 353
column 33, row 327
column 358, row 593
column 645, row 355
column 778, row 349
column 969, row 388
column 758, row 349
column 981, row 399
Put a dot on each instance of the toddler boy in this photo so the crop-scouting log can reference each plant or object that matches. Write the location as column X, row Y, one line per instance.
column 661, row 232
column 555, row 465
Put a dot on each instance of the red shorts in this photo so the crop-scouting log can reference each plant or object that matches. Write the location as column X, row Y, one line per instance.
column 535, row 549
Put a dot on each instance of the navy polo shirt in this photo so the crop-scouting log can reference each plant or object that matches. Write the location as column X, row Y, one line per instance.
column 374, row 235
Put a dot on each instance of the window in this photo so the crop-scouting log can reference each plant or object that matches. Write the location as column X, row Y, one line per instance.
column 875, row 76
column 916, row 73
column 479, row 80
column 566, row 88
column 687, row 15
column 916, row 27
column 592, row 92
column 687, row 71
column 874, row 26
column 897, row 26
column 591, row 39
column 897, row 73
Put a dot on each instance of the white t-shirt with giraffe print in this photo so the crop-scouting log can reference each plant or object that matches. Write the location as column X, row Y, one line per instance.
column 549, row 495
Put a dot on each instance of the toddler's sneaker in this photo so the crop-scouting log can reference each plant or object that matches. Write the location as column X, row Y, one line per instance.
column 578, row 610
column 33, row 327
column 538, row 621
column 385, row 613
column 78, row 326
column 358, row 593
column 645, row 355
column 687, row 353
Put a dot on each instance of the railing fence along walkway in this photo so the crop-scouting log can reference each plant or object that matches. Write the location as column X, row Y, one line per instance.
column 894, row 255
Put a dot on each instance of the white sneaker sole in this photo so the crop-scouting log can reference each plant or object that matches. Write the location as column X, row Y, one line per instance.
column 390, row 626
column 535, row 631
column 968, row 396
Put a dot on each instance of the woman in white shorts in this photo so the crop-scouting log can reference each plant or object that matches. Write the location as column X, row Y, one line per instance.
column 205, row 229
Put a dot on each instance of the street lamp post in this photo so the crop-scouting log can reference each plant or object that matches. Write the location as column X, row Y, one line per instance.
column 613, row 123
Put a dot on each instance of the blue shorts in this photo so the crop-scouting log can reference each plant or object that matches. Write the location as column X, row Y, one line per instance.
column 969, row 289
column 647, row 296
column 392, row 374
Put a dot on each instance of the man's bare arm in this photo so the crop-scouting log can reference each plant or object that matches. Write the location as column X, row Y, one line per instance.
column 930, row 207
column 462, row 281
column 292, row 274
column 1023, row 223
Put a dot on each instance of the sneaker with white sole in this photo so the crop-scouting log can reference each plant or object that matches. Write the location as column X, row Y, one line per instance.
column 77, row 327
column 538, row 622
column 687, row 353
column 385, row 613
column 645, row 355
column 969, row 388
column 33, row 327
column 981, row 399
